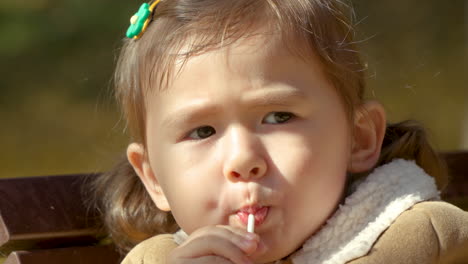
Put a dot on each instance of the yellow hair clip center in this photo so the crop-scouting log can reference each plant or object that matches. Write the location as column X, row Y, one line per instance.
column 133, row 19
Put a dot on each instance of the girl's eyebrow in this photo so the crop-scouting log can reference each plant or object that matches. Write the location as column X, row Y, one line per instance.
column 200, row 109
column 273, row 96
column 196, row 110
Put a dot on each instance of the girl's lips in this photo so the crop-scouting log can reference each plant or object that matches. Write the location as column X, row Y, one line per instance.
column 260, row 213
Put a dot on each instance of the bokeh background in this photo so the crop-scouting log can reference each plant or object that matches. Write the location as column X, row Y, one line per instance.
column 57, row 114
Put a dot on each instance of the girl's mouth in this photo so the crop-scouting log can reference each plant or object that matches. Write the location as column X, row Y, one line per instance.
column 259, row 212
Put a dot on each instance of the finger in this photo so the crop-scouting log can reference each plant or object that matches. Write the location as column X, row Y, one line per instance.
column 202, row 260
column 241, row 232
column 210, row 260
column 220, row 246
column 248, row 242
column 217, row 245
column 238, row 236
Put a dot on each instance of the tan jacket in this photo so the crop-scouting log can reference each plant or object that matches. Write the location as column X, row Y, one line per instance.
column 423, row 234
column 401, row 228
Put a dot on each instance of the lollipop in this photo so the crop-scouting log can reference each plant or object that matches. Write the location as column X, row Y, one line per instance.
column 251, row 223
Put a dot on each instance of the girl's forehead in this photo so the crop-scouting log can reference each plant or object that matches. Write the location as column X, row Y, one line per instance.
column 258, row 57
column 260, row 40
column 241, row 70
column 257, row 51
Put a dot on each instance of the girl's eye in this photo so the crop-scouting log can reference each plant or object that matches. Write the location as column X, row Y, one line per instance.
column 278, row 117
column 202, row 132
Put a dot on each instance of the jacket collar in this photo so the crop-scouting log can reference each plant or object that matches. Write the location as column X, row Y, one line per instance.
column 384, row 194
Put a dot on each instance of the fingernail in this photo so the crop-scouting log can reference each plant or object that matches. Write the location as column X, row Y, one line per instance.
column 251, row 236
column 246, row 260
column 247, row 244
column 261, row 248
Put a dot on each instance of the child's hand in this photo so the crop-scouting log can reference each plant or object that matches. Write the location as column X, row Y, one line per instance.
column 216, row 244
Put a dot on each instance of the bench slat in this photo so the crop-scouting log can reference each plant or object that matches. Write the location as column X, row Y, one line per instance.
column 71, row 255
column 457, row 189
column 44, row 212
column 457, row 163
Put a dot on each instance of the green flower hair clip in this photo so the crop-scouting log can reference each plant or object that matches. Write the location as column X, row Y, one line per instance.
column 139, row 22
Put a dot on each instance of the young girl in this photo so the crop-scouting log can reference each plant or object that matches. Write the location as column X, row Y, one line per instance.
column 256, row 107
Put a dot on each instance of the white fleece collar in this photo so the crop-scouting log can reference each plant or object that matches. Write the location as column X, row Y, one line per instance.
column 351, row 232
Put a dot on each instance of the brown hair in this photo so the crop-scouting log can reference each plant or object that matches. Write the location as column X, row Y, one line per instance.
column 321, row 27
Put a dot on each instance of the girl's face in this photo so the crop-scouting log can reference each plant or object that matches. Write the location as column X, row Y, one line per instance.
column 250, row 129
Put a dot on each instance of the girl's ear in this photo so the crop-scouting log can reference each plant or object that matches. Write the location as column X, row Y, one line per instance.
column 368, row 133
column 137, row 157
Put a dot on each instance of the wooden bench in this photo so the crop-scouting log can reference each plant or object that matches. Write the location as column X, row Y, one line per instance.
column 44, row 219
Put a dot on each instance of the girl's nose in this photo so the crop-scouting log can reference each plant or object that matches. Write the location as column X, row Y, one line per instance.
column 243, row 156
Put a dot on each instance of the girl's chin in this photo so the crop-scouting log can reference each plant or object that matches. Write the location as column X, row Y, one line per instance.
column 268, row 254
column 264, row 258
column 273, row 248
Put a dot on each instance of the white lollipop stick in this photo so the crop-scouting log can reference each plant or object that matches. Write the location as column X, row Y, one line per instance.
column 251, row 223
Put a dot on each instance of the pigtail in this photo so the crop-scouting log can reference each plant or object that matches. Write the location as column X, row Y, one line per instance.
column 129, row 215
column 409, row 140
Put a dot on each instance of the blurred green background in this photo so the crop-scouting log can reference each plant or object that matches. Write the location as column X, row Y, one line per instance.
column 56, row 60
